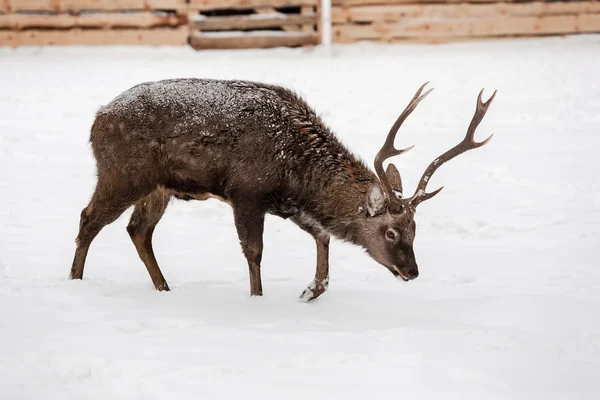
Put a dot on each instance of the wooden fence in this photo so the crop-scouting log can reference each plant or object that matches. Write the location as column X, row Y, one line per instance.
column 253, row 23
column 92, row 22
column 452, row 20
column 202, row 23
column 271, row 23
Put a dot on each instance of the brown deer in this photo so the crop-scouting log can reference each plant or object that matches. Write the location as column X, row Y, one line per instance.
column 261, row 149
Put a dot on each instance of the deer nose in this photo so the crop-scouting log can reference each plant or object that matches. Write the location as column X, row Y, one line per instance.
column 413, row 273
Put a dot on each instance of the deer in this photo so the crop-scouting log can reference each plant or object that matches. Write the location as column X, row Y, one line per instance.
column 263, row 150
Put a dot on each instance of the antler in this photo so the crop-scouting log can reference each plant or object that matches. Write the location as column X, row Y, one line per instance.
column 388, row 150
column 467, row 143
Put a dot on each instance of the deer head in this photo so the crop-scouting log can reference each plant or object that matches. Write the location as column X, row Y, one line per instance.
column 389, row 230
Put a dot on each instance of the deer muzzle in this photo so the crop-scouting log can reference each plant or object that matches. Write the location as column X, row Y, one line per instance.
column 405, row 274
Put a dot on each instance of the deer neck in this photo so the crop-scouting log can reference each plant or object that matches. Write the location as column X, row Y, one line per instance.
column 338, row 206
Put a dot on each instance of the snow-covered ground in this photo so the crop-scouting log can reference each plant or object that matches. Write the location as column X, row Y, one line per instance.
column 508, row 301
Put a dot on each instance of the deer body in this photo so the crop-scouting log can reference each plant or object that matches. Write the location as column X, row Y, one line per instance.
column 258, row 147
column 227, row 139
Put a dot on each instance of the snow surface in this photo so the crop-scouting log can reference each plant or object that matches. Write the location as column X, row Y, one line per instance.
column 507, row 304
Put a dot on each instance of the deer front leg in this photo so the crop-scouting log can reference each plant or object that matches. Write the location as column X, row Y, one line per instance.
column 321, row 282
column 249, row 222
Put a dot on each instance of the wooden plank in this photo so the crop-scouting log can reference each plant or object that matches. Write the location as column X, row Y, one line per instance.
column 33, row 5
column 441, row 40
column 273, row 11
column 253, row 21
column 242, row 4
column 398, row 12
column 479, row 27
column 589, row 23
column 74, row 5
column 387, row 2
column 142, row 19
column 256, row 39
column 166, row 4
column 156, row 37
column 103, row 5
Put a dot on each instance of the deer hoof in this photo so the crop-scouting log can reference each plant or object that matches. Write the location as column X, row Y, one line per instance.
column 314, row 290
column 163, row 287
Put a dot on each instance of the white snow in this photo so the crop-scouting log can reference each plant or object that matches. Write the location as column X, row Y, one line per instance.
column 507, row 301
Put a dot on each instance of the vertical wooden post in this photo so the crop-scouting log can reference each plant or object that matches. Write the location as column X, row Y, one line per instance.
column 307, row 10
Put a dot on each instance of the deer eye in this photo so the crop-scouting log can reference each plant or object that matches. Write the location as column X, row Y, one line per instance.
column 390, row 234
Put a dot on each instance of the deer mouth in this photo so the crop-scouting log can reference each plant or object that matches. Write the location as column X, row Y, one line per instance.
column 404, row 277
column 399, row 274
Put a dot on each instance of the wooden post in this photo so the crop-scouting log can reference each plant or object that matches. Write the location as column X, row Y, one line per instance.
column 304, row 10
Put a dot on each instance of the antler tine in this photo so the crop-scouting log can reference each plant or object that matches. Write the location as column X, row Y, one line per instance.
column 479, row 114
column 466, row 144
column 389, row 150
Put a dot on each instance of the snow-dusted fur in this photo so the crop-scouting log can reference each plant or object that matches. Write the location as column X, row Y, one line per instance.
column 225, row 136
column 258, row 147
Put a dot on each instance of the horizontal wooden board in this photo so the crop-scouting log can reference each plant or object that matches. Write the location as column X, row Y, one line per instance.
column 141, row 19
column 253, row 21
column 166, row 4
column 156, row 37
column 367, row 2
column 442, row 40
column 242, row 4
column 79, row 5
column 256, row 39
column 397, row 12
column 75, row 5
column 479, row 27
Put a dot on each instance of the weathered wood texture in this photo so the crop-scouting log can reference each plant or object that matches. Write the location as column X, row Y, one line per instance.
column 394, row 13
column 447, row 22
column 46, row 22
column 388, row 2
column 253, row 21
column 295, row 26
column 142, row 19
column 93, row 22
column 481, row 27
column 79, row 5
column 176, row 36
column 241, row 4
column 267, row 12
column 75, row 21
column 309, row 26
column 257, row 39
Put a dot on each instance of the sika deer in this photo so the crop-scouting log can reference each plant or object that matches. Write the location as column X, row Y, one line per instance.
column 261, row 149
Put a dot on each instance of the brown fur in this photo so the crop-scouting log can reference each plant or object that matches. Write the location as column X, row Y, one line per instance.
column 258, row 147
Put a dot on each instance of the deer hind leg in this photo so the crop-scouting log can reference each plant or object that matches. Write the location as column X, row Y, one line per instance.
column 106, row 206
column 321, row 282
column 249, row 222
column 146, row 215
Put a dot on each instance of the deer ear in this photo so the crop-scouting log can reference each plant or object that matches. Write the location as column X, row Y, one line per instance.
column 375, row 200
column 394, row 177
